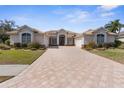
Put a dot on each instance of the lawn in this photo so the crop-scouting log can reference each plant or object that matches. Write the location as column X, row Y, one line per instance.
column 19, row 56
column 114, row 54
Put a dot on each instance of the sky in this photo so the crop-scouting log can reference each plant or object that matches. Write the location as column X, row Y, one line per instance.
column 76, row 18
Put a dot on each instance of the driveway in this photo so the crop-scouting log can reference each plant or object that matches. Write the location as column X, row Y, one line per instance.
column 69, row 67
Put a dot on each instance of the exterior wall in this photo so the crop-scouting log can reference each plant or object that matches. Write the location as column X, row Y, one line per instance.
column 70, row 41
column 88, row 39
column 39, row 38
column 107, row 38
column 110, row 39
column 46, row 40
column 14, row 39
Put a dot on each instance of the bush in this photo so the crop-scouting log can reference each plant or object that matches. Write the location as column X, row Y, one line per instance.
column 117, row 43
column 43, row 47
column 7, row 42
column 121, row 46
column 108, row 45
column 24, row 45
column 90, row 45
column 4, row 47
column 33, row 48
column 100, row 45
column 34, row 45
column 17, row 45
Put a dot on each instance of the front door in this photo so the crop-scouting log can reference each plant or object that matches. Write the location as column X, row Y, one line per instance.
column 62, row 40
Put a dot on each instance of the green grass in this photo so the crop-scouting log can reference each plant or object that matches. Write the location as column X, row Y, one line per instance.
column 19, row 56
column 4, row 78
column 114, row 54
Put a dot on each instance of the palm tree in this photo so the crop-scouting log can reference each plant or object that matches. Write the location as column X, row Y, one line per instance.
column 114, row 26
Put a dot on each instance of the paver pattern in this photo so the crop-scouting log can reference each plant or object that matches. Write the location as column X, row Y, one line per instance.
column 65, row 67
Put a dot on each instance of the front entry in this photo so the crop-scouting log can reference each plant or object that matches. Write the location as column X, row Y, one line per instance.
column 53, row 41
column 62, row 40
column 100, row 39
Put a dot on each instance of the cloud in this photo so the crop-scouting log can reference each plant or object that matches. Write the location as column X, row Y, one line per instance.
column 107, row 14
column 107, row 7
column 59, row 11
column 21, row 18
column 76, row 16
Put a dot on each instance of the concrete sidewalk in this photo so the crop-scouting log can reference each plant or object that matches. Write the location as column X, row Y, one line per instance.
column 11, row 70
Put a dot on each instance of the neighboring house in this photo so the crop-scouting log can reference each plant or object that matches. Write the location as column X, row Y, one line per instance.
column 121, row 36
column 99, row 36
column 26, row 34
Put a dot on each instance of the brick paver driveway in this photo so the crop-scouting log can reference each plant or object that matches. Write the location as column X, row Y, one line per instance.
column 70, row 67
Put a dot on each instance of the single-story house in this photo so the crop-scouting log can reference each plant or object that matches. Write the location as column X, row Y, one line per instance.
column 98, row 36
column 121, row 36
column 26, row 34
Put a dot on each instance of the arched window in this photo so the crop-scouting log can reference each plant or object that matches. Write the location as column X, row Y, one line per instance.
column 26, row 38
column 100, row 39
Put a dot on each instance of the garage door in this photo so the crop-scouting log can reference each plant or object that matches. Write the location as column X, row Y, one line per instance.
column 78, row 43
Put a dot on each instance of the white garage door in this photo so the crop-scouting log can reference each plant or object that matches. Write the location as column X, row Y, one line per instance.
column 78, row 43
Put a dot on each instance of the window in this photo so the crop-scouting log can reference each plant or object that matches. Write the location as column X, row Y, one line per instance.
column 26, row 38
column 100, row 39
column 70, row 41
column 53, row 40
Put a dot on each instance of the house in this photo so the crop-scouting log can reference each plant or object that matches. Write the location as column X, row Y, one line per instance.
column 26, row 34
column 121, row 36
column 99, row 36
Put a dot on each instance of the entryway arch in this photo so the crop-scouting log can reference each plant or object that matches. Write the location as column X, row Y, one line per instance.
column 62, row 40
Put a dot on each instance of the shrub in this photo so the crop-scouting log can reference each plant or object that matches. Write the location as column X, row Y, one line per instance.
column 7, row 42
column 17, row 45
column 33, row 48
column 4, row 47
column 121, row 46
column 24, row 45
column 90, row 45
column 100, row 46
column 108, row 45
column 43, row 47
column 117, row 43
column 34, row 45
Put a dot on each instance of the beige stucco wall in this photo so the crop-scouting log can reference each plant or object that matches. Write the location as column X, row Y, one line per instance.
column 110, row 39
column 46, row 40
column 88, row 38
column 39, row 38
column 70, row 41
column 14, row 39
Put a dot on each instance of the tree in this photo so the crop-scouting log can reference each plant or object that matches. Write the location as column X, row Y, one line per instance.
column 114, row 26
column 5, row 26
